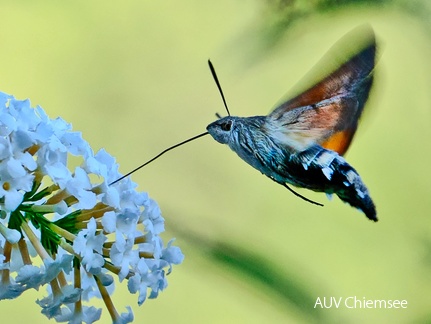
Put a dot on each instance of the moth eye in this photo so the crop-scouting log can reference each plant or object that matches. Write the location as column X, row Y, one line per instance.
column 226, row 126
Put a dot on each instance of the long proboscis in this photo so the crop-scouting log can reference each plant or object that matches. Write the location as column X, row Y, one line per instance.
column 159, row 155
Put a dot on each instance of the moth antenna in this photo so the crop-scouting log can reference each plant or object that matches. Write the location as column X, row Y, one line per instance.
column 297, row 194
column 213, row 72
column 159, row 155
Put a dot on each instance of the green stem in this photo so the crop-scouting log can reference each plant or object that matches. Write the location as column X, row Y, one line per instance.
column 35, row 241
column 62, row 232
column 108, row 301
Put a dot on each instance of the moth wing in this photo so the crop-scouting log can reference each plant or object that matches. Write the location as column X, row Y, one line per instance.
column 328, row 113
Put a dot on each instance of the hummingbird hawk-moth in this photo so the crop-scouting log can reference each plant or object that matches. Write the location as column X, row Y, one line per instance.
column 303, row 140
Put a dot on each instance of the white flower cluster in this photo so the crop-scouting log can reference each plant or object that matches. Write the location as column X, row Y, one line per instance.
column 72, row 230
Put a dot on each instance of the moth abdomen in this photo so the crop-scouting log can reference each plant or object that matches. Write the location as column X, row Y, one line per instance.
column 353, row 190
column 326, row 171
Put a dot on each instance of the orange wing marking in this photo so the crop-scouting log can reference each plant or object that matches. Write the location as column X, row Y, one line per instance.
column 339, row 141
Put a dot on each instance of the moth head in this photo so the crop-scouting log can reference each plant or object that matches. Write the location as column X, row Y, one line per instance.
column 221, row 129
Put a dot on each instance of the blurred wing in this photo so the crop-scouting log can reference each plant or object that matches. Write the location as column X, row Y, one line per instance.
column 327, row 113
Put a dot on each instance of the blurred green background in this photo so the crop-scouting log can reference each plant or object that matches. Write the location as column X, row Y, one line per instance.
column 133, row 77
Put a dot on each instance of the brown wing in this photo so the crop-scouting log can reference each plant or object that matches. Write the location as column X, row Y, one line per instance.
column 328, row 112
